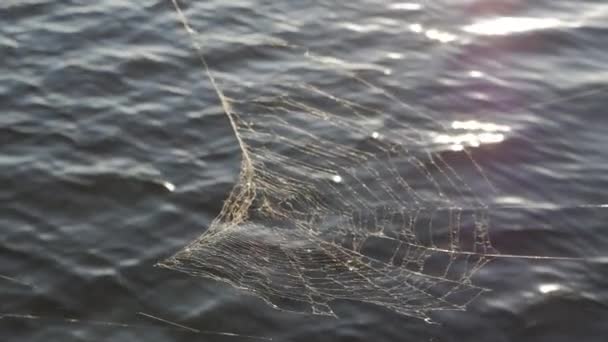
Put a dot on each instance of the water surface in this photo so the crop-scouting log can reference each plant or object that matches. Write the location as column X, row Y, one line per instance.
column 115, row 153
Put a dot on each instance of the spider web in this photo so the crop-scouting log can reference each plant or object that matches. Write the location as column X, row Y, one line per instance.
column 340, row 196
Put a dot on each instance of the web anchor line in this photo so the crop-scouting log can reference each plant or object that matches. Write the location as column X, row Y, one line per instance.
column 170, row 325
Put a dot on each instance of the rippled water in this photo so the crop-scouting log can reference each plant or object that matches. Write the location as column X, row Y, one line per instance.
column 115, row 153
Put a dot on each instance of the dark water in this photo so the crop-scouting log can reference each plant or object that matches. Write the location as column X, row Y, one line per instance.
column 115, row 153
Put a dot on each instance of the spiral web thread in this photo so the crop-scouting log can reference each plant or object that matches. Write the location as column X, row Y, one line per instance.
column 339, row 198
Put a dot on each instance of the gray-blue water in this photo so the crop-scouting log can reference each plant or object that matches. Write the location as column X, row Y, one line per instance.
column 103, row 105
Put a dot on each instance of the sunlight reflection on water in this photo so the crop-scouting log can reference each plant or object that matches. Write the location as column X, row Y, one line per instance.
column 475, row 134
column 511, row 25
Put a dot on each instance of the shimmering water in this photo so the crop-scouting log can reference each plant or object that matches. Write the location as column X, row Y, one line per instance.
column 115, row 153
